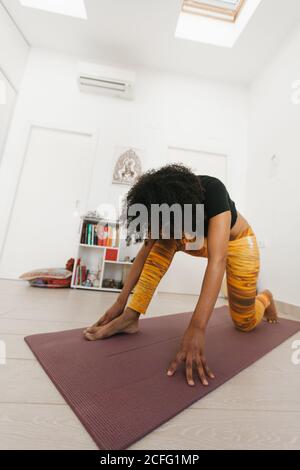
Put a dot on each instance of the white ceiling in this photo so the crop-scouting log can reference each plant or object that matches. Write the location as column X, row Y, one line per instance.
column 141, row 33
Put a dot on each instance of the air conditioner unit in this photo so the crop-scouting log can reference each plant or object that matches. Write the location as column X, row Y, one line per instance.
column 107, row 80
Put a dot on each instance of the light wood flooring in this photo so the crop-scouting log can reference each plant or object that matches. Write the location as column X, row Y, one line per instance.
column 258, row 409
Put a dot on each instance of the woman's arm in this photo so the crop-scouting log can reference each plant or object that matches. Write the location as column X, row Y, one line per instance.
column 193, row 344
column 134, row 272
column 217, row 243
column 119, row 305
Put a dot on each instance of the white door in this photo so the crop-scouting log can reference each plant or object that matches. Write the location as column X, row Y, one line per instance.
column 43, row 227
column 186, row 272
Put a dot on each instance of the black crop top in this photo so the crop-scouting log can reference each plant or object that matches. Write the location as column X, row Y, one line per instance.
column 216, row 200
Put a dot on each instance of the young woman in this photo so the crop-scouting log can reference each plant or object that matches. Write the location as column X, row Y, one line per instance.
column 229, row 244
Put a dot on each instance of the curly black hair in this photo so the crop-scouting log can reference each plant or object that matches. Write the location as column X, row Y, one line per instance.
column 170, row 184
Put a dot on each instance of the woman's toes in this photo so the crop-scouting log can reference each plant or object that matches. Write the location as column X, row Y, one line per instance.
column 94, row 335
column 91, row 329
column 89, row 336
column 118, row 325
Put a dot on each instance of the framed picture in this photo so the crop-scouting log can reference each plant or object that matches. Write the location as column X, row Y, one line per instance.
column 128, row 166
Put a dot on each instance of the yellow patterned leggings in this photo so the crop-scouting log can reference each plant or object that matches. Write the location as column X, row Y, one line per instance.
column 242, row 268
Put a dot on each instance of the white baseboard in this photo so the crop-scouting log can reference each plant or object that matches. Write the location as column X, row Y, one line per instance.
column 287, row 309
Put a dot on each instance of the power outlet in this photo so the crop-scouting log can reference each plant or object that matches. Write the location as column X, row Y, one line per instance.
column 274, row 164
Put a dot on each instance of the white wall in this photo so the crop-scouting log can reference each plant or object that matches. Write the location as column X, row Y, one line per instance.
column 13, row 56
column 273, row 201
column 175, row 111
column 7, row 101
column 13, row 51
column 167, row 110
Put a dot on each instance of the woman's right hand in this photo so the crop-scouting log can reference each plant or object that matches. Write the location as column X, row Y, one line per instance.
column 192, row 353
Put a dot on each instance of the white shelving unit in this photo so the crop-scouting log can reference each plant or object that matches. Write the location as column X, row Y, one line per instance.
column 94, row 258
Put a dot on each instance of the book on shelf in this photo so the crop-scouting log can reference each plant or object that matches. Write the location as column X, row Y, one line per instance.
column 86, row 234
column 84, row 239
column 105, row 235
column 89, row 240
column 94, row 234
column 93, row 268
column 99, row 234
column 112, row 236
column 81, row 273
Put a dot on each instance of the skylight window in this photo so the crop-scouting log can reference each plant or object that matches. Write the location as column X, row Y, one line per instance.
column 226, row 10
column 199, row 20
column 75, row 8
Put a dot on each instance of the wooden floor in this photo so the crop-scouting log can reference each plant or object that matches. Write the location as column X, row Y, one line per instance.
column 258, row 409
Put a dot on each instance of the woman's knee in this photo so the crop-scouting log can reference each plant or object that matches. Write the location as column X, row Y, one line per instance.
column 244, row 327
column 244, row 322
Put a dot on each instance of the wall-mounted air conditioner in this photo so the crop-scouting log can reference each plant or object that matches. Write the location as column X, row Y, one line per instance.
column 95, row 78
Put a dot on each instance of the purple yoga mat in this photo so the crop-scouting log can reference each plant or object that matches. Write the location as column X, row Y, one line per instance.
column 118, row 387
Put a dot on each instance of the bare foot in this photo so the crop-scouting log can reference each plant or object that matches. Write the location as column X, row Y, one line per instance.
column 271, row 315
column 128, row 323
column 113, row 312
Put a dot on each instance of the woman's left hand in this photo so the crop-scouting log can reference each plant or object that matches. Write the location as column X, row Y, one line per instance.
column 192, row 353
